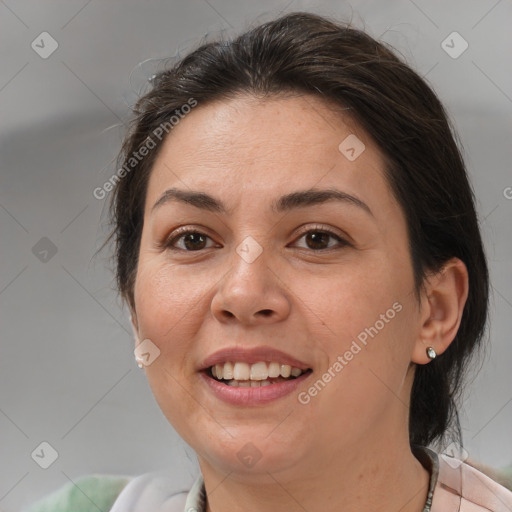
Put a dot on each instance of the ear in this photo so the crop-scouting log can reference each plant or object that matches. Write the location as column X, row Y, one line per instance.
column 442, row 304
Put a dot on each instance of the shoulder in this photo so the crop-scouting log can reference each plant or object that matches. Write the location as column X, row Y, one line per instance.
column 155, row 491
column 88, row 493
column 462, row 487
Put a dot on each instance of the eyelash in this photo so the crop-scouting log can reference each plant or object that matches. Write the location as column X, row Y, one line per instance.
column 169, row 244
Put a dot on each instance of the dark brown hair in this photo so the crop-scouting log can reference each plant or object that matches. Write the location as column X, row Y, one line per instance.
column 307, row 53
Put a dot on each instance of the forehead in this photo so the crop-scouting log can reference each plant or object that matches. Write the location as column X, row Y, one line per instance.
column 249, row 148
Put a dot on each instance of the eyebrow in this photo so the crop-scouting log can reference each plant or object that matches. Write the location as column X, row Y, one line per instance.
column 298, row 199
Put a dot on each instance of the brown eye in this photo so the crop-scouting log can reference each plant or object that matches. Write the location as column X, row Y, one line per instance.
column 318, row 239
column 193, row 240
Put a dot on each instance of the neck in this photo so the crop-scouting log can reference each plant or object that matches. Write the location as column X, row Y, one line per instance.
column 381, row 477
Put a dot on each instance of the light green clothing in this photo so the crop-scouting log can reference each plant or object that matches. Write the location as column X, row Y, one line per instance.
column 89, row 493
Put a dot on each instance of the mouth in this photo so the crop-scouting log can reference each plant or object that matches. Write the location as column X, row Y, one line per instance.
column 259, row 374
column 252, row 376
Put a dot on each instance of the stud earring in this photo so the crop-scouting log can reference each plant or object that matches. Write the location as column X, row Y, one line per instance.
column 431, row 353
column 139, row 363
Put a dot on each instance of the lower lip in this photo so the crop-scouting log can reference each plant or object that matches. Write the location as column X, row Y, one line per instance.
column 253, row 396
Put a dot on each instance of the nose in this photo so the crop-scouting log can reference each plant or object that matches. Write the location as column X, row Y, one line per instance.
column 251, row 293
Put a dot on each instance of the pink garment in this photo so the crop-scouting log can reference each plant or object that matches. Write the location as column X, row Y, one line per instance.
column 462, row 488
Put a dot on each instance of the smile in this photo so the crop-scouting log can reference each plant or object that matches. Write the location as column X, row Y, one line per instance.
column 251, row 376
column 243, row 388
column 240, row 374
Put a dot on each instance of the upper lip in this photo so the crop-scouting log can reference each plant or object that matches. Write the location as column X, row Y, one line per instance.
column 252, row 355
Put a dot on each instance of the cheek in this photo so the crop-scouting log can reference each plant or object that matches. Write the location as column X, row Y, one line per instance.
column 353, row 297
column 167, row 301
column 165, row 294
column 364, row 314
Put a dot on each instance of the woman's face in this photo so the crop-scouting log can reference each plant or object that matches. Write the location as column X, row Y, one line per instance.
column 276, row 273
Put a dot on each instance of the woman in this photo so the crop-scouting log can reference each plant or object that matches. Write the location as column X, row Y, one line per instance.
column 297, row 242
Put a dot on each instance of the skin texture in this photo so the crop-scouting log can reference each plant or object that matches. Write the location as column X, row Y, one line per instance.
column 348, row 447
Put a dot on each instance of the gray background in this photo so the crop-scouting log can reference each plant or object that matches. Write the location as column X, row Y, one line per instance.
column 67, row 371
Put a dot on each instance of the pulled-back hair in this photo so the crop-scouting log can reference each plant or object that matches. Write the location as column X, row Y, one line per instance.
column 307, row 53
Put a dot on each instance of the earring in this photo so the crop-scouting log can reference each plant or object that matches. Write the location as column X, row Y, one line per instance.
column 431, row 353
column 139, row 363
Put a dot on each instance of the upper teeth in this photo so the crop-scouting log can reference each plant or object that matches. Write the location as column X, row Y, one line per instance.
column 256, row 371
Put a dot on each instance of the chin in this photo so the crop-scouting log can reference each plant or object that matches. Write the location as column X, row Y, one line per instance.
column 251, row 452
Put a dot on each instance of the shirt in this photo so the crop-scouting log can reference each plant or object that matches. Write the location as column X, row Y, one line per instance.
column 454, row 487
